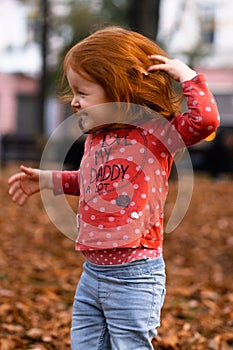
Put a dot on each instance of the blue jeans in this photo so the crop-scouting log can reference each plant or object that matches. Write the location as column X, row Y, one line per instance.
column 118, row 307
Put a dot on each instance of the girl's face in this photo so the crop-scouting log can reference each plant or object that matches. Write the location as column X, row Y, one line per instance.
column 86, row 94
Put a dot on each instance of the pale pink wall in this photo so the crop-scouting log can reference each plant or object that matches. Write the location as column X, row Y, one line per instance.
column 10, row 86
column 219, row 80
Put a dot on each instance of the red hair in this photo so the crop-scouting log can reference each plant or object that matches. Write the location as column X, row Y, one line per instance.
column 117, row 59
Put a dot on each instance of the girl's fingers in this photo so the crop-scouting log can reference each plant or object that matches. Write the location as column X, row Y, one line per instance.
column 20, row 184
column 160, row 58
column 26, row 170
column 14, row 187
column 14, row 178
column 22, row 199
column 156, row 67
column 17, row 194
column 161, row 64
column 18, row 176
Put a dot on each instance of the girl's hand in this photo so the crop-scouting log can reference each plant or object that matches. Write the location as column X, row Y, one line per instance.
column 29, row 181
column 177, row 69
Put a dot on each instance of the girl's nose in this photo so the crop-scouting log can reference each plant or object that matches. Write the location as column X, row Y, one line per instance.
column 75, row 103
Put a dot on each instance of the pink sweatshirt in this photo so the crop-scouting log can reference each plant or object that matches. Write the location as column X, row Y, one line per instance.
column 122, row 182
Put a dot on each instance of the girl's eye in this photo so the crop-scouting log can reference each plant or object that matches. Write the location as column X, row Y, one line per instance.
column 76, row 91
column 81, row 93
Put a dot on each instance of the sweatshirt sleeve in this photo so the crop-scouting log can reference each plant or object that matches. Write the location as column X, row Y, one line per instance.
column 66, row 182
column 202, row 117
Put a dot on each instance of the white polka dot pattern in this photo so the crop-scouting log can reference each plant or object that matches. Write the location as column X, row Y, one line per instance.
column 126, row 171
column 121, row 256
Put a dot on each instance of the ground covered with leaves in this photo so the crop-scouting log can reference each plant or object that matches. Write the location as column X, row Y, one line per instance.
column 39, row 270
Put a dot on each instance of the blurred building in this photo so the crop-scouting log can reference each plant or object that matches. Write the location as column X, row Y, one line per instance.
column 200, row 33
column 19, row 104
column 20, row 82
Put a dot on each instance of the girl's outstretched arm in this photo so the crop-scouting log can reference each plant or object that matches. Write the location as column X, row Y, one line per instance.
column 177, row 69
column 29, row 181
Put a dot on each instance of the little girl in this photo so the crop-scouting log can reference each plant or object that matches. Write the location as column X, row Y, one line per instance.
column 122, row 182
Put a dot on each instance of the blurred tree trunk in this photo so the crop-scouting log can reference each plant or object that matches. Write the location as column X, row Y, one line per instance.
column 44, row 6
column 144, row 16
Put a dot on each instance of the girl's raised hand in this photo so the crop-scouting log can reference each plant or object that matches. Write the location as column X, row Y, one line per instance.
column 27, row 182
column 177, row 69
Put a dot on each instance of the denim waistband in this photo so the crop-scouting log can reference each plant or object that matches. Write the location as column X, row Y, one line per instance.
column 133, row 268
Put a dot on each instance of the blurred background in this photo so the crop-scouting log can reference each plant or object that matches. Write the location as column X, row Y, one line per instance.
column 36, row 34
